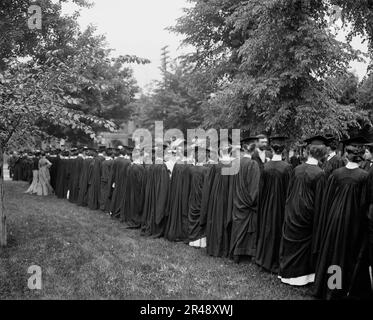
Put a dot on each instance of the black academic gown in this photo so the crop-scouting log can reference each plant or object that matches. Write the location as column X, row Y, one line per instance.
column 244, row 209
column 131, row 212
column 54, row 160
column 94, row 184
column 344, row 235
column 153, row 220
column 17, row 175
column 333, row 164
column 105, row 187
column 301, row 219
column 366, row 165
column 178, row 205
column 76, row 170
column 118, row 198
column 61, row 179
column 295, row 161
column 257, row 158
column 28, row 167
column 219, row 214
column 198, row 177
column 83, row 183
column 206, row 197
column 69, row 175
column 273, row 189
column 370, row 216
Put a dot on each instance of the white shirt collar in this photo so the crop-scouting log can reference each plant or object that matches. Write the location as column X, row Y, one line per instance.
column 333, row 154
column 262, row 155
column 312, row 161
column 352, row 165
column 277, row 157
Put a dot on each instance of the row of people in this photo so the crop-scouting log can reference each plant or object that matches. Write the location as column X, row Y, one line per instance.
column 297, row 223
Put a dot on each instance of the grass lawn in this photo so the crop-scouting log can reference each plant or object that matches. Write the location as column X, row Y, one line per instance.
column 86, row 255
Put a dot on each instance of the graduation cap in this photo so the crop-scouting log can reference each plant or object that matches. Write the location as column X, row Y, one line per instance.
column 109, row 151
column 333, row 141
column 316, row 140
column 330, row 136
column 101, row 148
column 249, row 139
column 278, row 139
column 356, row 141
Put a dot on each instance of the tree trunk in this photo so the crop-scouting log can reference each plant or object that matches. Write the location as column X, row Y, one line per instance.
column 3, row 232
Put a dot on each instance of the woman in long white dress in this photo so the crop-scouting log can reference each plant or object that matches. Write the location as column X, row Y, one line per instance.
column 44, row 186
column 35, row 174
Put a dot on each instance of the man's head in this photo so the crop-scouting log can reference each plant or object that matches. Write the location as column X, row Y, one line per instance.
column 316, row 147
column 262, row 142
column 278, row 144
column 369, row 153
column 317, row 151
column 332, row 145
column 248, row 148
column 355, row 148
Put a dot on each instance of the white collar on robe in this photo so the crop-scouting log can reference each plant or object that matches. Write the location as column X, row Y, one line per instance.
column 246, row 155
column 352, row 165
column 262, row 155
column 333, row 154
column 277, row 157
column 312, row 161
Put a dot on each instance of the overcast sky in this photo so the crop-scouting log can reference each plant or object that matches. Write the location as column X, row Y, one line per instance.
column 138, row 27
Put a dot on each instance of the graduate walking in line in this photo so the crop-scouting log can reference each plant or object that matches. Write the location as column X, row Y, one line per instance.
column 306, row 188
column 333, row 160
column 219, row 208
column 131, row 212
column 343, row 230
column 156, row 199
column 119, row 181
column 245, row 189
column 273, row 189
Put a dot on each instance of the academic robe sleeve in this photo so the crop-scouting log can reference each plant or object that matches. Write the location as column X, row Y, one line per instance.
column 370, row 216
column 324, row 191
column 206, row 191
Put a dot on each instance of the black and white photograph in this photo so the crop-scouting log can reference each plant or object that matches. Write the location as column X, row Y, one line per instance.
column 193, row 152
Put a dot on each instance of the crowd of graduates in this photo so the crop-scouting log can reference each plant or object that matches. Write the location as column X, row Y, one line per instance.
column 301, row 218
